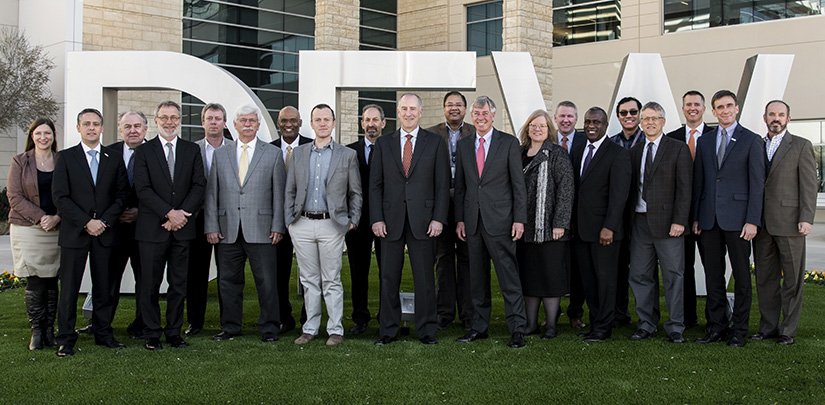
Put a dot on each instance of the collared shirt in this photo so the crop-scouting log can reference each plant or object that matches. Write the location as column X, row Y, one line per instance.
column 294, row 145
column 86, row 150
column 128, row 152
column 699, row 129
column 403, row 139
column 729, row 130
column 771, row 145
column 569, row 137
column 453, row 137
column 210, row 151
column 163, row 143
column 596, row 146
column 319, row 161
column 638, row 136
column 641, row 204
column 249, row 151
column 367, row 144
column 488, row 137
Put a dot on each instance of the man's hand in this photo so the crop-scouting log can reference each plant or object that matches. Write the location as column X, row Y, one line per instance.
column 805, row 228
column 517, row 230
column 128, row 216
column 214, row 237
column 606, row 237
column 558, row 233
column 676, row 230
column 434, row 229
column 696, row 230
column 49, row 222
column 95, row 227
column 748, row 232
column 177, row 218
column 351, row 227
column 379, row 229
column 459, row 230
column 275, row 236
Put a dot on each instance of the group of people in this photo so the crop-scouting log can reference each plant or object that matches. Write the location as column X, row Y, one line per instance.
column 557, row 211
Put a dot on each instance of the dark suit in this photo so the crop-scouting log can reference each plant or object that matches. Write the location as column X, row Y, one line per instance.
column 126, row 251
column 601, row 194
column 79, row 199
column 575, row 310
column 724, row 200
column 284, row 260
column 489, row 205
column 158, row 193
column 691, row 243
column 452, row 281
column 667, row 186
column 360, row 242
column 779, row 248
column 407, row 205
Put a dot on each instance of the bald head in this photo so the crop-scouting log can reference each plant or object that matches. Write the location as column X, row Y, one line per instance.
column 289, row 122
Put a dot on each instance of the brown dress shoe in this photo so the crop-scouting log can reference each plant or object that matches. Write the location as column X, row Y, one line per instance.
column 335, row 340
column 304, row 339
column 577, row 323
column 785, row 340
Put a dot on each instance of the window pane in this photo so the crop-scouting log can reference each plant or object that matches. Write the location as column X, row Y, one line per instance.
column 377, row 20
column 378, row 38
column 587, row 23
column 699, row 14
column 382, row 5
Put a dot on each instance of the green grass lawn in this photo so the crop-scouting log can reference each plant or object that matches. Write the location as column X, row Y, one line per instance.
column 245, row 370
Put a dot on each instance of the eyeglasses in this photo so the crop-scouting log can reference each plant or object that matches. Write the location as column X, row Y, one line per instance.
column 540, row 126
column 485, row 114
column 248, row 120
column 165, row 118
column 651, row 119
column 632, row 112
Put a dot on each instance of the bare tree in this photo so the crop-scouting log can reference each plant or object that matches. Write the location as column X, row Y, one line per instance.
column 24, row 81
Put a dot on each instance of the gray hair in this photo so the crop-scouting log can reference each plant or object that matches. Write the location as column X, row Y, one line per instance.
column 420, row 103
column 375, row 106
column 247, row 109
column 167, row 103
column 569, row 104
column 132, row 112
column 655, row 106
column 481, row 101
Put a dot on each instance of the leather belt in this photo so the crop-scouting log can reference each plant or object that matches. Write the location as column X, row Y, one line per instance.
column 315, row 215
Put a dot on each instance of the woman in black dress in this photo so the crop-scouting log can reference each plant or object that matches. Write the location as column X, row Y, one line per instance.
column 543, row 252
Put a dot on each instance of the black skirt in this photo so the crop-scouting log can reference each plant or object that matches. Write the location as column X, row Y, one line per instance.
column 544, row 268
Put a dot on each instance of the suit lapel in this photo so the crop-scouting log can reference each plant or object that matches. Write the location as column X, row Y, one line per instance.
column 395, row 149
column 160, row 156
column 333, row 161
column 663, row 147
column 83, row 163
column 495, row 143
column 420, row 146
column 783, row 149
column 302, row 172
column 732, row 143
column 596, row 158
column 256, row 157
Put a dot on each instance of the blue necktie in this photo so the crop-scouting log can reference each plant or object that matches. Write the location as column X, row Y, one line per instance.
column 130, row 168
column 588, row 158
column 93, row 165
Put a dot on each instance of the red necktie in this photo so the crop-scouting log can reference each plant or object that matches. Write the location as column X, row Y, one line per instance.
column 692, row 144
column 480, row 156
column 407, row 155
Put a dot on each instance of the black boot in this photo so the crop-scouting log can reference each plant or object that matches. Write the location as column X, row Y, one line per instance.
column 35, row 308
column 49, row 317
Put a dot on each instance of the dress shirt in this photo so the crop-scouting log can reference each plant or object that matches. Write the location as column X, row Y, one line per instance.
column 586, row 150
column 638, row 136
column 163, row 143
column 641, row 204
column 771, row 145
column 488, row 137
column 250, row 150
column 403, row 140
column 86, row 150
column 730, row 130
column 699, row 129
column 453, row 136
column 319, row 161
column 294, row 145
column 210, row 151
column 367, row 144
column 127, row 153
column 569, row 137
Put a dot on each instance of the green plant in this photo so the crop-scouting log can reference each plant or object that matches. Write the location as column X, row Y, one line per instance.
column 4, row 205
column 9, row 281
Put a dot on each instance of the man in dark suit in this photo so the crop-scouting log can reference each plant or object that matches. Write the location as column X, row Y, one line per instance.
column 243, row 217
column 490, row 210
column 409, row 198
column 289, row 122
column 627, row 111
column 566, row 117
column 728, row 187
column 360, row 240
column 790, row 205
column 89, row 189
column 601, row 171
column 658, row 208
column 213, row 121
column 693, row 107
column 132, row 126
column 452, row 282
column 170, row 185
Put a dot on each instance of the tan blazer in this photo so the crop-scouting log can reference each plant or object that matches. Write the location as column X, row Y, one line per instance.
column 24, row 197
column 790, row 187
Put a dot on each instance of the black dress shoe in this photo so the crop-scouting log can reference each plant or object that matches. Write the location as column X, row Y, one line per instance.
column 595, row 337
column 762, row 336
column 549, row 333
column 583, row 334
column 472, row 336
column 153, row 344
column 176, row 342
column 736, row 341
column 641, row 334
column 137, row 336
column 516, row 341
column 533, row 332
column 269, row 338
column 111, row 344
column 676, row 337
column 65, row 351
column 690, row 324
column 428, row 340
column 385, row 340
column 711, row 337
column 86, row 330
column 444, row 323
column 358, row 329
column 785, row 340
column 192, row 330
column 287, row 327
column 224, row 336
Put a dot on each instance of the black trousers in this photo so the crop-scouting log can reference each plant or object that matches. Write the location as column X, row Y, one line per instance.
column 173, row 255
column 197, row 283
column 359, row 253
column 622, row 284
column 598, row 266
column 72, row 266
column 715, row 242
column 452, row 278
column 127, row 250
column 689, row 298
column 284, row 269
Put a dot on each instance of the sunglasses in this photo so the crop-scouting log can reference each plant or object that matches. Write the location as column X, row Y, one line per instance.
column 624, row 113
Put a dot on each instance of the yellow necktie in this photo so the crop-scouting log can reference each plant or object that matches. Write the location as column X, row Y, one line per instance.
column 243, row 165
column 288, row 158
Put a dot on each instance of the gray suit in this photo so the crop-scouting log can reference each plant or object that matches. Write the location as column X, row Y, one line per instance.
column 245, row 215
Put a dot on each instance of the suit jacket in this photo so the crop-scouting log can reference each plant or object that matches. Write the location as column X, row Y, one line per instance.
column 731, row 195
column 441, row 129
column 131, row 199
column 256, row 206
column 424, row 196
column 80, row 199
column 680, row 134
column 343, row 185
column 364, row 170
column 301, row 140
column 579, row 138
column 669, row 187
column 158, row 194
column 499, row 195
column 22, row 191
column 790, row 187
column 601, row 191
column 202, row 145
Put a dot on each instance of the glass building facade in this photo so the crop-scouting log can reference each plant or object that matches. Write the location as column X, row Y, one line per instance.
column 378, row 32
column 583, row 21
column 685, row 15
column 484, row 27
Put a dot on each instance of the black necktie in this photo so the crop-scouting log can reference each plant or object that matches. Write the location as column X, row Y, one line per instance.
column 369, row 160
column 648, row 170
column 130, row 168
column 588, row 158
